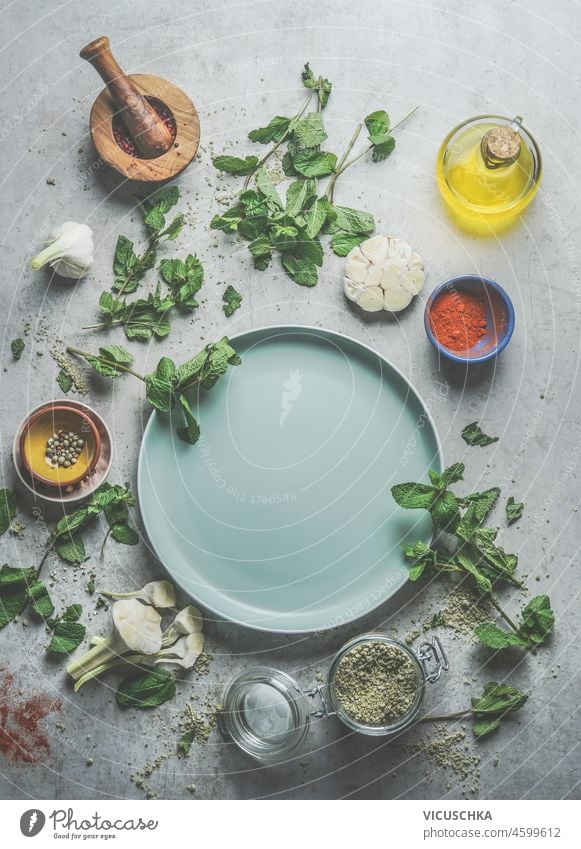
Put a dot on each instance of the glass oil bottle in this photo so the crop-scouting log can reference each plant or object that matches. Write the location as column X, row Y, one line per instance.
column 488, row 171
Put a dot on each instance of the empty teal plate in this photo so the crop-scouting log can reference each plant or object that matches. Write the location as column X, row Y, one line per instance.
column 280, row 518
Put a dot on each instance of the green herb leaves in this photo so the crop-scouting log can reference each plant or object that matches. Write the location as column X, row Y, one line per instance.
column 493, row 705
column 168, row 384
column 382, row 142
column 319, row 84
column 14, row 591
column 111, row 498
column 7, row 510
column 17, row 347
column 293, row 228
column 232, row 300
column 147, row 690
column 235, row 165
column 67, row 632
column 475, row 553
column 537, row 624
column 474, row 435
column 514, row 510
column 273, row 132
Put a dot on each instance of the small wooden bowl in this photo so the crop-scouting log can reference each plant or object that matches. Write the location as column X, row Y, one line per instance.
column 163, row 167
column 159, row 155
column 62, row 416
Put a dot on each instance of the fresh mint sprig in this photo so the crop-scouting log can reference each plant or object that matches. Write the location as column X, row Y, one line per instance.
column 487, row 711
column 292, row 228
column 168, row 384
column 475, row 554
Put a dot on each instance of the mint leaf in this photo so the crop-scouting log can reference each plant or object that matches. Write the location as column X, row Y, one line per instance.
column 13, row 600
column 514, row 510
column 315, row 215
column 342, row 242
column 266, row 186
column 125, row 534
column 232, row 300
column 497, row 638
column 67, row 636
column 7, row 509
column 377, row 123
column 302, row 271
column 480, row 504
column 314, row 163
column 492, row 707
column 297, row 195
column 319, row 84
column 537, row 620
column 310, row 131
column 235, row 165
column 10, row 577
column 228, row 222
column 40, row 600
column 413, row 496
column 445, row 510
column 273, row 132
column 17, row 347
column 350, row 221
column 64, row 381
column 474, row 435
column 383, row 146
column 453, row 474
column 147, row 690
column 71, row 548
column 191, row 432
column 109, row 359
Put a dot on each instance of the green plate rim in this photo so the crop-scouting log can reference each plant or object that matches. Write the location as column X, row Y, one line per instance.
column 323, row 332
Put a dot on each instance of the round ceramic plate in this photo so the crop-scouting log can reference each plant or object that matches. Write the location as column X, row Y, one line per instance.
column 280, row 517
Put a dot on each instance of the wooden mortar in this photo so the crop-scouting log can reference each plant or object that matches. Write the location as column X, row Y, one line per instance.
column 161, row 156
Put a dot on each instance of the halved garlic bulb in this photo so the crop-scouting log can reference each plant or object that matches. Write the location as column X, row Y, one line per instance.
column 383, row 273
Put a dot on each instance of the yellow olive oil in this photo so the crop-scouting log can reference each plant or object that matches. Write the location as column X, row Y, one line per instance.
column 488, row 171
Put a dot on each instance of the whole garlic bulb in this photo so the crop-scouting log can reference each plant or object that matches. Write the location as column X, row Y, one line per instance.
column 70, row 251
column 383, row 273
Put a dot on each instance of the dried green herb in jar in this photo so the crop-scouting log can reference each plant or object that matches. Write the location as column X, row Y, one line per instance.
column 376, row 683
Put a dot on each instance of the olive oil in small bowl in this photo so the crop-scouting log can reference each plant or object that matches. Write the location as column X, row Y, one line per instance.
column 59, row 446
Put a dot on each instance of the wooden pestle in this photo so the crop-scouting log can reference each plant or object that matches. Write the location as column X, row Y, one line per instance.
column 150, row 134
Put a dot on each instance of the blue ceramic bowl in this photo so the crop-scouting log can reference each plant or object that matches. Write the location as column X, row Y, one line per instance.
column 499, row 318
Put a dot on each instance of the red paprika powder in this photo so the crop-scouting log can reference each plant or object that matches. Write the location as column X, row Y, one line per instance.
column 458, row 320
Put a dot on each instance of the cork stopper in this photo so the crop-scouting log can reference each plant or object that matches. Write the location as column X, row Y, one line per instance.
column 501, row 146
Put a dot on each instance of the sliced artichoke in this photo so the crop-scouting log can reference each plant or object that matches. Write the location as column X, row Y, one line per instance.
column 383, row 273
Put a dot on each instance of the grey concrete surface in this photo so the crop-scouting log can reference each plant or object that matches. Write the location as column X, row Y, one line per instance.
column 240, row 62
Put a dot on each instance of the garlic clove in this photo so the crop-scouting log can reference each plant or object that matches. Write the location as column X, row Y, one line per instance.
column 399, row 249
column 374, row 276
column 391, row 272
column 396, row 299
column 413, row 281
column 376, row 249
column 356, row 266
column 371, row 299
column 353, row 289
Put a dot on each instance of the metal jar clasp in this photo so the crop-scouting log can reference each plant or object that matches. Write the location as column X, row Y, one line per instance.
column 433, row 659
